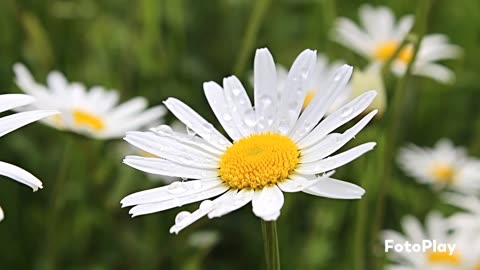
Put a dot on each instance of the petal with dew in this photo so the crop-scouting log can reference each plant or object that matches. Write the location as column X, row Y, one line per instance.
column 265, row 87
column 335, row 161
column 267, row 203
column 197, row 123
column 296, row 85
column 344, row 114
column 168, row 168
column 216, row 99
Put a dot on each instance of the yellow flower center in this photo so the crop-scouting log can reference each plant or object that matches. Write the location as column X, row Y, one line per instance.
column 443, row 172
column 86, row 119
column 308, row 97
column 443, row 258
column 477, row 267
column 258, row 160
column 385, row 50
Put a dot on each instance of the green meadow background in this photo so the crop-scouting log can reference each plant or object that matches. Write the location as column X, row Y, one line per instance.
column 162, row 48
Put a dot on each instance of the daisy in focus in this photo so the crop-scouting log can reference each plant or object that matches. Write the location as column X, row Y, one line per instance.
column 443, row 166
column 380, row 34
column 438, row 228
column 94, row 113
column 275, row 147
column 11, row 122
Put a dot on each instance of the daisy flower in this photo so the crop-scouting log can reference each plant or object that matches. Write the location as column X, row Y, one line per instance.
column 438, row 228
column 274, row 148
column 381, row 35
column 11, row 122
column 444, row 166
column 94, row 113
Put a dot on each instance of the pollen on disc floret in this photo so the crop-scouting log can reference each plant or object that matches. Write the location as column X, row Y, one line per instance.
column 258, row 160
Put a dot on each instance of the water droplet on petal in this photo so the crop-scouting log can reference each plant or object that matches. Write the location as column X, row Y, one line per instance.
column 206, row 204
column 176, row 188
column 346, row 111
column 163, row 129
column 227, row 117
column 236, row 91
column 283, row 127
column 249, row 118
column 182, row 217
column 266, row 101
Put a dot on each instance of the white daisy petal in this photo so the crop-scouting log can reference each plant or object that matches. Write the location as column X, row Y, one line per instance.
column 11, row 122
column 336, row 161
column 169, row 192
column 240, row 199
column 297, row 183
column 194, row 121
column 319, row 105
column 241, row 107
column 148, row 208
column 413, row 228
column 265, row 79
column 10, row 101
column 184, row 219
column 435, row 71
column 216, row 98
column 404, row 26
column 332, row 142
column 350, row 35
column 335, row 189
column 194, row 141
column 20, row 175
column 130, row 107
column 295, row 90
column 168, row 168
column 171, row 150
column 2, row 215
column 344, row 114
column 267, row 203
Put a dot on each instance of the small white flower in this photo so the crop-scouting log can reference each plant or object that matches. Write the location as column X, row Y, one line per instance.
column 438, row 228
column 443, row 166
column 381, row 35
column 10, row 123
column 275, row 149
column 93, row 113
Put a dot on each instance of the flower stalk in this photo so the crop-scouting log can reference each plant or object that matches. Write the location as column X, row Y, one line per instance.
column 270, row 243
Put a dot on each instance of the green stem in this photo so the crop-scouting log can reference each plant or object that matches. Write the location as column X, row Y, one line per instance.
column 270, row 243
column 394, row 123
column 56, row 203
column 250, row 36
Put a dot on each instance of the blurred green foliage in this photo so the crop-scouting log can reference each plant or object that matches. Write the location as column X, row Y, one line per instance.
column 162, row 48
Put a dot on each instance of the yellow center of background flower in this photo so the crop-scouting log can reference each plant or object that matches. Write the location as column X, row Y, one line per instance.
column 385, row 50
column 443, row 172
column 477, row 267
column 258, row 160
column 443, row 258
column 83, row 118
column 308, row 97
